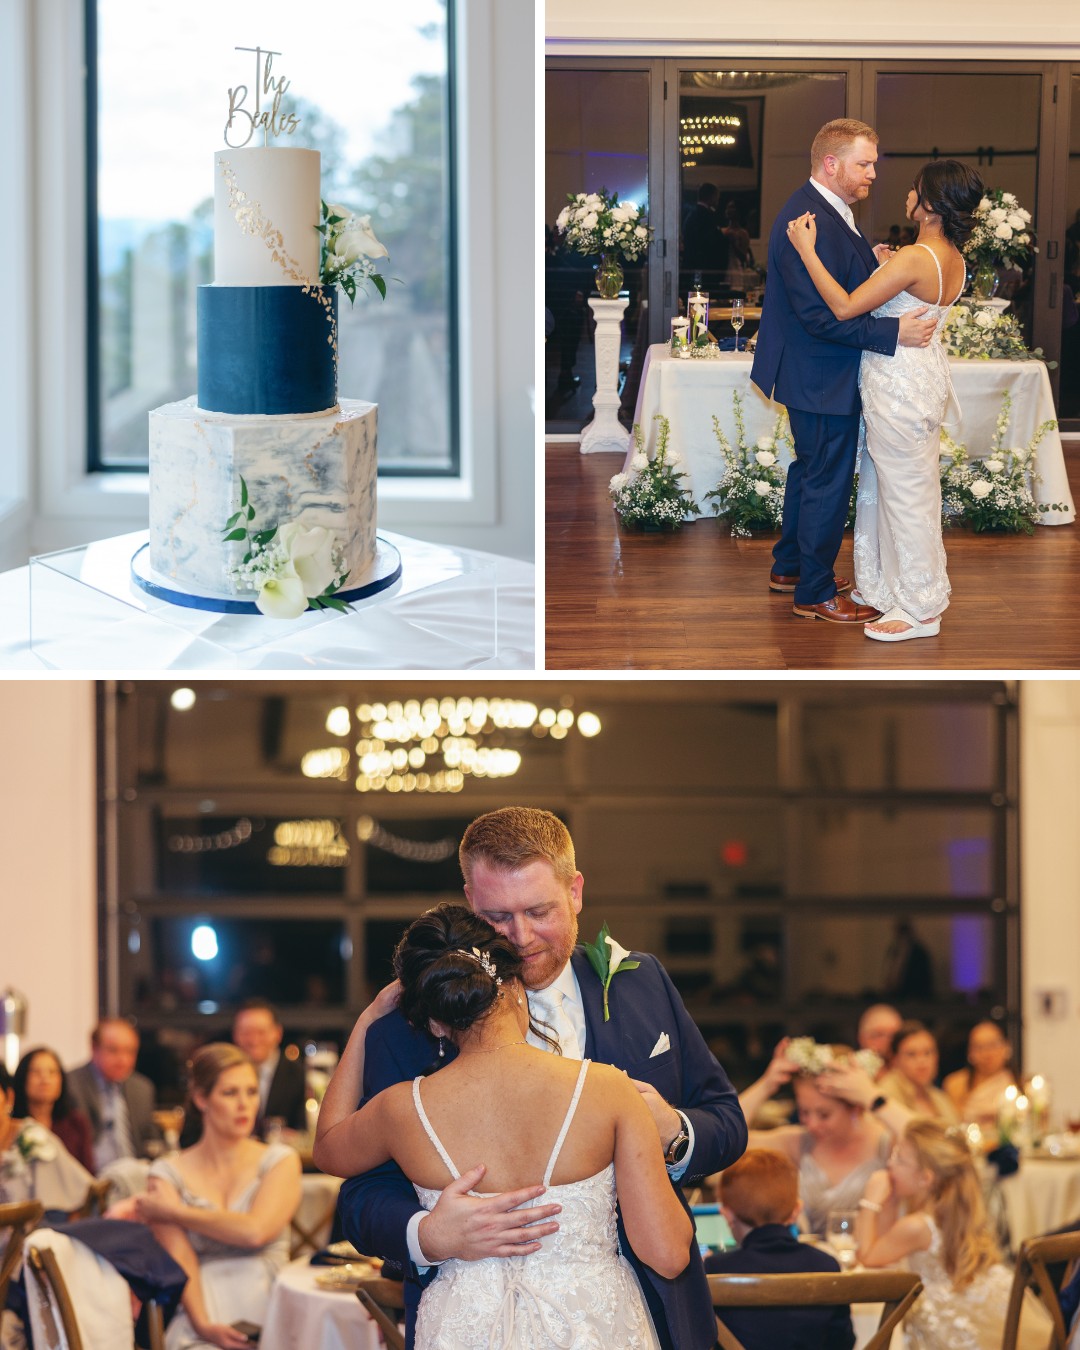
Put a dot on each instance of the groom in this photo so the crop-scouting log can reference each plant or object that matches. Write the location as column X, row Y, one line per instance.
column 521, row 875
column 809, row 361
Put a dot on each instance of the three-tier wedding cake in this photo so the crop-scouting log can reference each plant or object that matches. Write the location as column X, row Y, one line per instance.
column 265, row 446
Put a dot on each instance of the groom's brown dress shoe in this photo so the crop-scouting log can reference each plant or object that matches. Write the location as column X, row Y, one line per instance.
column 837, row 610
column 788, row 584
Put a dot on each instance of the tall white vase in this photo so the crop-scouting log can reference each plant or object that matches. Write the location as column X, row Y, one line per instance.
column 605, row 432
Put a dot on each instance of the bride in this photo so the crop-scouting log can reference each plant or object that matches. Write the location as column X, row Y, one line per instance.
column 899, row 556
column 584, row 1128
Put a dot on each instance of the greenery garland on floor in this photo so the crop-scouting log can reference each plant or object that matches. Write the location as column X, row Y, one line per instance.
column 650, row 493
column 750, row 494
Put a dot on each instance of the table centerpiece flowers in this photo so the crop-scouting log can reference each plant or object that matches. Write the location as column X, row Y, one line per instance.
column 597, row 222
column 977, row 332
column 650, row 494
column 1002, row 237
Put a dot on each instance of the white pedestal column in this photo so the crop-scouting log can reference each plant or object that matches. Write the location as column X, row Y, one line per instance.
column 605, row 432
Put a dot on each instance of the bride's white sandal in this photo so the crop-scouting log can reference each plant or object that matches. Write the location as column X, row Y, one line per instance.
column 898, row 615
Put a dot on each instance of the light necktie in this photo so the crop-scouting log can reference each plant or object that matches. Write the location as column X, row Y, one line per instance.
column 121, row 1123
column 546, row 1006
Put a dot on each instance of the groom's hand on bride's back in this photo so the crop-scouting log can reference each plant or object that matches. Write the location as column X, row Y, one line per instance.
column 915, row 331
column 471, row 1227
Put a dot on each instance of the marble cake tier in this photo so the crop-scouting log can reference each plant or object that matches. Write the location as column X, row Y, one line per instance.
column 317, row 470
column 267, row 349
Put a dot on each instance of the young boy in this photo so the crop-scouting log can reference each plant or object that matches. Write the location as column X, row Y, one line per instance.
column 759, row 1196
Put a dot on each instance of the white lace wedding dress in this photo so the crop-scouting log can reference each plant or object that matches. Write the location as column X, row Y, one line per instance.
column 944, row 1318
column 577, row 1293
column 899, row 556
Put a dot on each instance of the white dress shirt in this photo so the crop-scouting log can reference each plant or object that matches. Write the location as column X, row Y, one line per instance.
column 838, row 202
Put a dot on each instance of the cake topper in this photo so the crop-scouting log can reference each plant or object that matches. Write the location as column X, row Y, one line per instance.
column 271, row 119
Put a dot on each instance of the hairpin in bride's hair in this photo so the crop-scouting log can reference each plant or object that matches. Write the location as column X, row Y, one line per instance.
column 483, row 959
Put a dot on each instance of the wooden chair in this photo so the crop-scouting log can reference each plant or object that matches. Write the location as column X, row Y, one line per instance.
column 56, row 1299
column 384, row 1300
column 1034, row 1256
column 16, row 1221
column 311, row 1234
column 94, row 1206
column 897, row 1289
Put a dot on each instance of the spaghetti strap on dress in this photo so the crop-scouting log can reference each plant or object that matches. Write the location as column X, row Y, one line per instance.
column 577, row 1293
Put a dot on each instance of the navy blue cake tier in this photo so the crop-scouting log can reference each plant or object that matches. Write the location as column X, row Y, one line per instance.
column 266, row 349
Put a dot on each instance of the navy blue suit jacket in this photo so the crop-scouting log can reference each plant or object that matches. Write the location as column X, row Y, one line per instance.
column 804, row 354
column 376, row 1207
column 771, row 1250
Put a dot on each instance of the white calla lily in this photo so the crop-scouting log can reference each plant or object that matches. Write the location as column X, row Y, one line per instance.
column 357, row 240
column 282, row 596
column 310, row 551
column 618, row 954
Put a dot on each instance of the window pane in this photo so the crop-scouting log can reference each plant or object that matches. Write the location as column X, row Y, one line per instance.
column 597, row 137
column 251, row 855
column 376, row 108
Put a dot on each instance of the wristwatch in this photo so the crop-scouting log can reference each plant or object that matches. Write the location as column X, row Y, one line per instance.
column 676, row 1150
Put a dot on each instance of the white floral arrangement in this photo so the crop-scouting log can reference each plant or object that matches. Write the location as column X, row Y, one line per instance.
column 651, row 492
column 813, row 1058
column 289, row 566
column 597, row 222
column 34, row 1143
column 980, row 333
column 750, row 494
column 994, row 493
column 348, row 252
column 1002, row 232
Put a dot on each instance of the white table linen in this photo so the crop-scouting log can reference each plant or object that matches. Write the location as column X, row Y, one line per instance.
column 302, row 1314
column 1042, row 1196
column 688, row 392
column 379, row 636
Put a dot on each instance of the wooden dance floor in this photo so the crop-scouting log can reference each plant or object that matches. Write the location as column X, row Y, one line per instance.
column 699, row 600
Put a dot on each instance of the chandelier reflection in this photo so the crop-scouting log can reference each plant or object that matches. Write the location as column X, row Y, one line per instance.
column 435, row 745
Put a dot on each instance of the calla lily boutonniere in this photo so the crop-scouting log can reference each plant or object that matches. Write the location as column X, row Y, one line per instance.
column 607, row 958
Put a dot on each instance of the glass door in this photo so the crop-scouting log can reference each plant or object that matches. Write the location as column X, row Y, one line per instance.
column 1069, row 369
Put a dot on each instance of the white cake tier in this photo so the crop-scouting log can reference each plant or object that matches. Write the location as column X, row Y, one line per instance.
column 259, row 194
column 313, row 470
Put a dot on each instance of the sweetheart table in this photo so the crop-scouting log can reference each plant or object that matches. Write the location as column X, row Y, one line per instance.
column 689, row 391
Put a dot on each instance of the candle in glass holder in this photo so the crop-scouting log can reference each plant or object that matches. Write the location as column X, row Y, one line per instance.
column 697, row 307
column 680, row 342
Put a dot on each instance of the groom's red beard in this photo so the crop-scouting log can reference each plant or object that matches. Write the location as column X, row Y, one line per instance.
column 543, row 960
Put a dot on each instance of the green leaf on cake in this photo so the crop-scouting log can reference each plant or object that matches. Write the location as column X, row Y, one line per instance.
column 232, row 520
column 243, row 491
column 379, row 284
column 236, row 534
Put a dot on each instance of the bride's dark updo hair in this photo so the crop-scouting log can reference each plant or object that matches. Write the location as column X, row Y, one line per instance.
column 951, row 190
column 442, row 979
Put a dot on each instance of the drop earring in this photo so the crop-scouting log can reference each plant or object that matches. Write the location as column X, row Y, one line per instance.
column 442, row 1048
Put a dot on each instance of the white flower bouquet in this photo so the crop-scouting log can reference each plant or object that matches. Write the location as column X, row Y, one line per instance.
column 289, row 566
column 597, row 222
column 994, row 493
column 1002, row 232
column 750, row 494
column 651, row 493
column 980, row 333
column 348, row 252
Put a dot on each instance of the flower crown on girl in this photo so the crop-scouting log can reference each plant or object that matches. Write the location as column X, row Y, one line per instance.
column 814, row 1058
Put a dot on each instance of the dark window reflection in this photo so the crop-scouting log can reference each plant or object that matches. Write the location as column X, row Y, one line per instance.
column 415, row 855
column 210, row 964
column 251, row 855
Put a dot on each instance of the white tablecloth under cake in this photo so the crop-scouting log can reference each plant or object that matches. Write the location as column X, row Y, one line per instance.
column 376, row 636
column 689, row 392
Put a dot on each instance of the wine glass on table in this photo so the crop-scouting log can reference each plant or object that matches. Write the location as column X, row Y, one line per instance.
column 840, row 1234
column 738, row 318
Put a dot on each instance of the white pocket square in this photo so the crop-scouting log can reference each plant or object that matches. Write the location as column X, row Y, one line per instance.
column 664, row 1043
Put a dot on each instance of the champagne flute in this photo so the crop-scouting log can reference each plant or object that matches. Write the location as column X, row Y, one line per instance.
column 738, row 318
column 840, row 1235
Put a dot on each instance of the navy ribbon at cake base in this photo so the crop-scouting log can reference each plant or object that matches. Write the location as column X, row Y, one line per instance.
column 266, row 349
column 388, row 571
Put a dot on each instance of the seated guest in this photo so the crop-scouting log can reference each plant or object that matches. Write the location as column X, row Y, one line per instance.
column 877, row 1026
column 927, row 1210
column 759, row 1195
column 118, row 1101
column 977, row 1091
column 837, row 1144
column 41, row 1093
column 221, row 1208
column 34, row 1164
column 912, row 1069
column 282, row 1084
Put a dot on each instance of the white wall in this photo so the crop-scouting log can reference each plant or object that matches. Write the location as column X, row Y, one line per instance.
column 48, row 906
column 1050, row 881
column 1045, row 29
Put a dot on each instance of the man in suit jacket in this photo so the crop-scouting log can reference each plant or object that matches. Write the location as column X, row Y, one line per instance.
column 809, row 360
column 520, row 874
column 119, row 1101
column 282, row 1081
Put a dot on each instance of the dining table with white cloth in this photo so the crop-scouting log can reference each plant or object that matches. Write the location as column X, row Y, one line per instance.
column 690, row 391
column 473, row 610
column 301, row 1314
column 1042, row 1196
